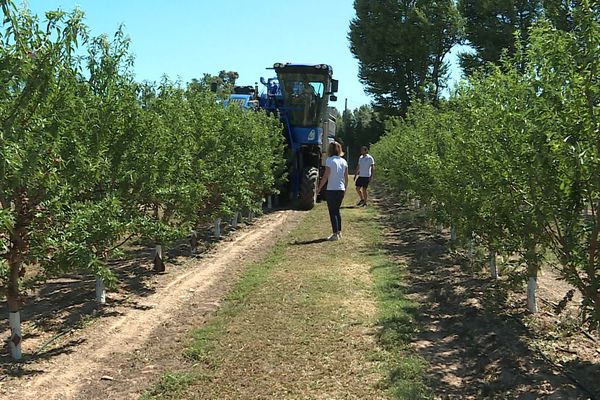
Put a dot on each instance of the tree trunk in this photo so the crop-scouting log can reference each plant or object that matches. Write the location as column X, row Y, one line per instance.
column 493, row 264
column 100, row 291
column 453, row 233
column 18, row 247
column 159, row 265
column 13, row 299
column 532, row 295
column 193, row 242
column 235, row 219
column 532, row 271
column 16, row 337
column 218, row 228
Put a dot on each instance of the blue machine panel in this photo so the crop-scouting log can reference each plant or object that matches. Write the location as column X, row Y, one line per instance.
column 302, row 135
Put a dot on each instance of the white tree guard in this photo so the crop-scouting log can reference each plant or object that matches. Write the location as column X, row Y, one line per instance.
column 251, row 213
column 453, row 232
column 234, row 220
column 100, row 291
column 159, row 265
column 193, row 241
column 269, row 202
column 532, row 305
column 14, row 321
column 218, row 228
column 471, row 251
column 493, row 265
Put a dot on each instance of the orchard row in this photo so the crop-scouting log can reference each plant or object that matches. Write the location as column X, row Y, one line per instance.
column 512, row 159
column 89, row 157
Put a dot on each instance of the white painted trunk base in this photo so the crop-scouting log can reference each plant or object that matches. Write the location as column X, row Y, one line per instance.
column 532, row 295
column 159, row 265
column 14, row 321
column 493, row 265
column 218, row 228
column 193, row 241
column 471, row 251
column 235, row 219
column 453, row 233
column 100, row 291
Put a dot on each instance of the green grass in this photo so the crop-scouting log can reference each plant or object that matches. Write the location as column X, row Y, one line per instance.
column 170, row 386
column 397, row 326
column 313, row 319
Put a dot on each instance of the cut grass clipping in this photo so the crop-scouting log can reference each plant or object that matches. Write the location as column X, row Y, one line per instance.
column 314, row 319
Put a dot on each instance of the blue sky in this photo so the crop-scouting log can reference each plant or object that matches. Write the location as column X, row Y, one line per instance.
column 187, row 38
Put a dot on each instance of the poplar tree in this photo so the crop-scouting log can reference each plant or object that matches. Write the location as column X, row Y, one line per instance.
column 400, row 46
column 491, row 25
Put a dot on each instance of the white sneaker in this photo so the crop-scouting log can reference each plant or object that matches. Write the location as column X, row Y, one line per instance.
column 339, row 235
column 333, row 237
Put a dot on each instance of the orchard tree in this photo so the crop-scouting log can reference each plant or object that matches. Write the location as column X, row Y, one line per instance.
column 222, row 84
column 38, row 85
column 89, row 158
column 516, row 158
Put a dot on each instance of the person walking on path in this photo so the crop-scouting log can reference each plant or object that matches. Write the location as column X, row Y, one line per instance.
column 365, row 168
column 336, row 178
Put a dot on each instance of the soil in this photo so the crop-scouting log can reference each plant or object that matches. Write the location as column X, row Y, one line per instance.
column 76, row 351
column 477, row 337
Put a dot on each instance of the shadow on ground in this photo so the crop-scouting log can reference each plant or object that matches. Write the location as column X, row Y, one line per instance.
column 474, row 345
column 313, row 241
column 57, row 307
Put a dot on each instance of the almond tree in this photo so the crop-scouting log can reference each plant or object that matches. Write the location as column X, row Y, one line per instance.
column 35, row 63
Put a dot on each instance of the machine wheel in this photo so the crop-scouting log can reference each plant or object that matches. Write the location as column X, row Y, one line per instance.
column 308, row 188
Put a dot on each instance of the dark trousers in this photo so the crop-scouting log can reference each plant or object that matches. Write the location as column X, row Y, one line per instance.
column 334, row 202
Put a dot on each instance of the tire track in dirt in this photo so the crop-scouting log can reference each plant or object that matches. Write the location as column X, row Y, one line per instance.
column 109, row 345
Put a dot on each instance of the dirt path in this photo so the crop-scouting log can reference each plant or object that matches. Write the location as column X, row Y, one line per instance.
column 117, row 356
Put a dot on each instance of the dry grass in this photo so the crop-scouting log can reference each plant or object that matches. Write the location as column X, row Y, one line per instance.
column 302, row 324
column 305, row 331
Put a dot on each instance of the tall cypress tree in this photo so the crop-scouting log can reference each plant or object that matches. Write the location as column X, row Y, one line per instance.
column 490, row 27
column 400, row 46
column 560, row 13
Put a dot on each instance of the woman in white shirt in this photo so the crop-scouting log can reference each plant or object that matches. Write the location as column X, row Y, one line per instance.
column 336, row 178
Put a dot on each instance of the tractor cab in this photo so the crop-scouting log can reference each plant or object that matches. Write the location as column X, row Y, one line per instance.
column 304, row 94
